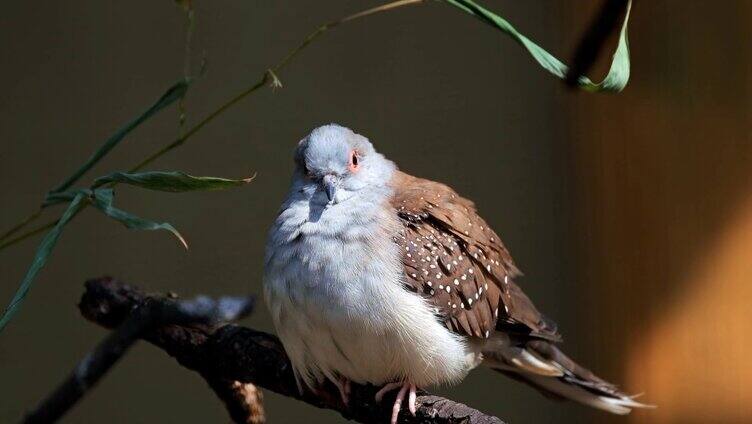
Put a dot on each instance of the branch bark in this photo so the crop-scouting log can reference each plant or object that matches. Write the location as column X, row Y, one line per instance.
column 244, row 402
column 136, row 319
column 238, row 356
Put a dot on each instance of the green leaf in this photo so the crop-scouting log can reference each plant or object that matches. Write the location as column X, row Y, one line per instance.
column 40, row 259
column 172, row 94
column 103, row 200
column 171, row 181
column 615, row 80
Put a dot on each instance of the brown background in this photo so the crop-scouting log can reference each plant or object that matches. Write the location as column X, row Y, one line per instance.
column 631, row 215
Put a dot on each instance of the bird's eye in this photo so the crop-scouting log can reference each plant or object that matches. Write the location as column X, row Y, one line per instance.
column 353, row 161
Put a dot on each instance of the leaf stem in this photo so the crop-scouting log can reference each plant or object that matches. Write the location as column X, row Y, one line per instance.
column 180, row 140
column 28, row 220
column 28, row 234
column 330, row 25
column 268, row 77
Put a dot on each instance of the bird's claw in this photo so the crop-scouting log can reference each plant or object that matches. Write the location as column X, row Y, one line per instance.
column 344, row 387
column 406, row 388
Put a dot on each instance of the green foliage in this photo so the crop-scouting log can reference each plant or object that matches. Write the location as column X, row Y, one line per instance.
column 40, row 258
column 102, row 198
column 172, row 181
column 174, row 93
column 615, row 80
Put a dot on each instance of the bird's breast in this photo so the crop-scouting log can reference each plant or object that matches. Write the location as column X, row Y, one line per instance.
column 332, row 259
column 336, row 293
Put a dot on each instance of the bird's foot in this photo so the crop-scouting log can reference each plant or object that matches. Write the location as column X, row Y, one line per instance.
column 406, row 389
column 344, row 387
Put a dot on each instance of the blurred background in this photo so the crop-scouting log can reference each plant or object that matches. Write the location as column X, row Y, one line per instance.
column 630, row 214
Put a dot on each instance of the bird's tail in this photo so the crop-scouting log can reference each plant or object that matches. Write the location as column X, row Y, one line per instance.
column 542, row 365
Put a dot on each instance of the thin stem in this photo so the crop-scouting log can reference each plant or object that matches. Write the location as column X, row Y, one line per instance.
column 330, row 25
column 180, row 140
column 190, row 26
column 28, row 234
column 266, row 78
column 42, row 228
column 28, row 220
column 190, row 15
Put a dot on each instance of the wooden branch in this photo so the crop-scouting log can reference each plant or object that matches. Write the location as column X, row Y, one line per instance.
column 140, row 317
column 232, row 353
column 244, row 402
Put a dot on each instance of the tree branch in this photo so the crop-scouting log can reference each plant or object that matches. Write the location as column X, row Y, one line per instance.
column 241, row 355
column 244, row 402
column 137, row 318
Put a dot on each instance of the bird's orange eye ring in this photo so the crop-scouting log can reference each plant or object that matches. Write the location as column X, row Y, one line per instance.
column 354, row 162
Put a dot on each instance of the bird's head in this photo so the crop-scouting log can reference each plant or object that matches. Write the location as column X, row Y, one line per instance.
column 334, row 163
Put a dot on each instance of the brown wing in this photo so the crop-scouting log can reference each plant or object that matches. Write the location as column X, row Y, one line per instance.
column 456, row 260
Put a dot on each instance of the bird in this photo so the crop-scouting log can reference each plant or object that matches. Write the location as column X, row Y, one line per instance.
column 375, row 276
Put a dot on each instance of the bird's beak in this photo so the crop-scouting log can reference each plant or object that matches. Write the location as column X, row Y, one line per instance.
column 330, row 183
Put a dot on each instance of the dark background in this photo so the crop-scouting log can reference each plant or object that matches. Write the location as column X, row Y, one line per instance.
column 630, row 214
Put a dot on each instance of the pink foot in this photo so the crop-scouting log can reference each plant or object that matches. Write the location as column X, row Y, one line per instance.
column 343, row 385
column 388, row 387
column 406, row 388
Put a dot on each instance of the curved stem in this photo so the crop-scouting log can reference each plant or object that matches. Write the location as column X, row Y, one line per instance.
column 180, row 140
column 28, row 220
column 269, row 76
column 28, row 234
column 333, row 24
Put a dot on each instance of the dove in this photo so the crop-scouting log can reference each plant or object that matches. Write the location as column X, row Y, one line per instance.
column 375, row 276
